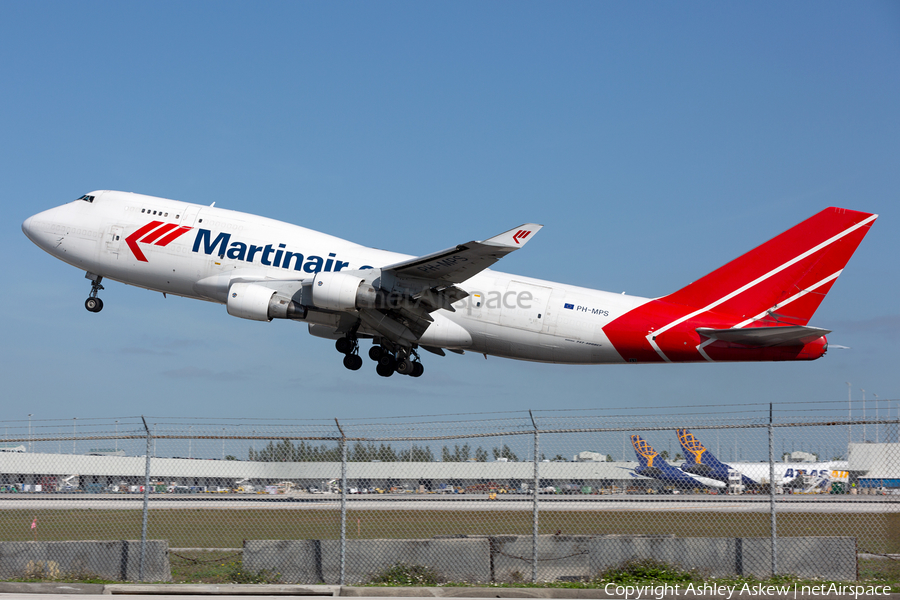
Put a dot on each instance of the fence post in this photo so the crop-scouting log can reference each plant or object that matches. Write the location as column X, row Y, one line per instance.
column 773, row 532
column 146, row 507
column 343, row 502
column 534, row 503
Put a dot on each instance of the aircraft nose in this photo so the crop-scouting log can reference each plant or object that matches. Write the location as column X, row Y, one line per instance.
column 37, row 229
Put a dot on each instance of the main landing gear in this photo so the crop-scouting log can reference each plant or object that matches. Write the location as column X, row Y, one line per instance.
column 387, row 362
column 404, row 361
column 93, row 303
column 349, row 347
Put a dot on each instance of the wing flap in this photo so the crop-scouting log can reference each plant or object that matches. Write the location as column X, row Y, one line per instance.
column 791, row 335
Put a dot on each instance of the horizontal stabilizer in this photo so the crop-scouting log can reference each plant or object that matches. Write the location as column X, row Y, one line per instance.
column 792, row 335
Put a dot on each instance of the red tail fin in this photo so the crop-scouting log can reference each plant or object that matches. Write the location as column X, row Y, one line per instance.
column 781, row 282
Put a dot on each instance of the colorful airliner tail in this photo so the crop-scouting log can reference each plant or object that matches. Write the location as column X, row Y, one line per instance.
column 756, row 307
column 652, row 465
column 783, row 281
column 700, row 461
column 697, row 458
column 646, row 455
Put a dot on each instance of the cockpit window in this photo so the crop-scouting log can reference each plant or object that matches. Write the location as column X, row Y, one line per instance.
column 87, row 198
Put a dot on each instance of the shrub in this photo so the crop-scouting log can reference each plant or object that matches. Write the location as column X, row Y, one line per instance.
column 404, row 574
column 646, row 571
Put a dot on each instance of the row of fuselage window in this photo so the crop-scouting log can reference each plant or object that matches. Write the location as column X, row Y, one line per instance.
column 157, row 213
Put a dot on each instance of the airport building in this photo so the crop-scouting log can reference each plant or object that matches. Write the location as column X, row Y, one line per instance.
column 875, row 465
column 54, row 472
column 870, row 466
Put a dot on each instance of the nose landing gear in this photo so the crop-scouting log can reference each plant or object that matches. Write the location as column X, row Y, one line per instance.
column 93, row 303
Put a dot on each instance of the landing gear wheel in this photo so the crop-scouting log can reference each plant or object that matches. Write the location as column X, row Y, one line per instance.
column 344, row 345
column 418, row 369
column 387, row 361
column 376, row 352
column 93, row 304
column 405, row 366
column 353, row 362
column 384, row 371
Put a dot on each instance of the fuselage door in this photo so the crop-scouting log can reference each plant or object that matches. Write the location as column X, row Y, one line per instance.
column 114, row 239
column 190, row 215
column 524, row 306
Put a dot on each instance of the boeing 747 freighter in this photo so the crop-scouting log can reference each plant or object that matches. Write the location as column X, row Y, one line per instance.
column 755, row 308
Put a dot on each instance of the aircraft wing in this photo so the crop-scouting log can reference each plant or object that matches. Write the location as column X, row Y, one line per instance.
column 766, row 336
column 400, row 311
column 456, row 264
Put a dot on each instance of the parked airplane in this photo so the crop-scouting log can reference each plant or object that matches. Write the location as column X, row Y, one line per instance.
column 650, row 464
column 700, row 461
column 755, row 308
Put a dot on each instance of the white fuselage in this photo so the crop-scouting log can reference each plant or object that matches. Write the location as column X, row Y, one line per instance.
column 835, row 470
column 504, row 315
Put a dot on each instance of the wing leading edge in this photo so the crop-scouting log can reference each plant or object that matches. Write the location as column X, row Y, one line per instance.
column 459, row 263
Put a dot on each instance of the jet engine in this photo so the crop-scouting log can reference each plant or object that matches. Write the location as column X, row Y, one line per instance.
column 342, row 291
column 261, row 303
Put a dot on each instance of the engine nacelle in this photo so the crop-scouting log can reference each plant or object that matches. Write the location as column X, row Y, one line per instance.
column 260, row 303
column 341, row 291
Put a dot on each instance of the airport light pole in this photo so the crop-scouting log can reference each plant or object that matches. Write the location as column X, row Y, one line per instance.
column 849, row 415
column 117, row 436
column 877, row 425
column 865, row 435
column 30, row 440
column 74, row 433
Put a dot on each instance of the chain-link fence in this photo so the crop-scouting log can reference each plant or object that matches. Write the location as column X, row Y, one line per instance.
column 807, row 490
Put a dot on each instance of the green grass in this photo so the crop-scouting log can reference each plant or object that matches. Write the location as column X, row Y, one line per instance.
column 204, row 566
column 885, row 570
column 217, row 567
column 205, row 528
column 402, row 574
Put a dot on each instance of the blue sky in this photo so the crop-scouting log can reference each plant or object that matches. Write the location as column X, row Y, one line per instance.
column 655, row 142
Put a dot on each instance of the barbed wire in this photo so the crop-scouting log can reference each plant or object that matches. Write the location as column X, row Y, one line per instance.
column 199, row 433
column 681, row 413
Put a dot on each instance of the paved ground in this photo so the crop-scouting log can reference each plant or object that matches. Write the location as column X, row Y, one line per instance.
column 692, row 503
column 249, row 592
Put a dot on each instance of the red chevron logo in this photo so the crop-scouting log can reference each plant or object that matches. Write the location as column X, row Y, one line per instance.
column 520, row 235
column 156, row 233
